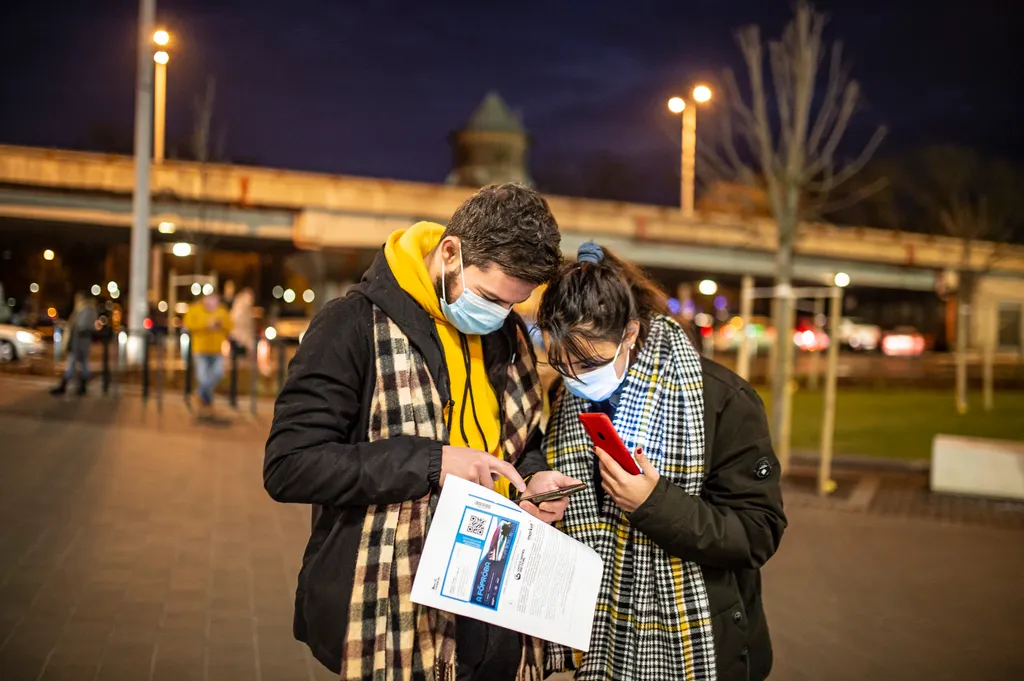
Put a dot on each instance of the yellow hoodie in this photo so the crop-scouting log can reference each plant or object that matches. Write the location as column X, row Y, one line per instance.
column 405, row 252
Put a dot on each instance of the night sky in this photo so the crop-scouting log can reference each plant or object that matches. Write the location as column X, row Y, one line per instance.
column 373, row 88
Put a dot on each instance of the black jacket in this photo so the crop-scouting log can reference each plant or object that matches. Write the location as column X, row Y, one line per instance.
column 318, row 453
column 733, row 527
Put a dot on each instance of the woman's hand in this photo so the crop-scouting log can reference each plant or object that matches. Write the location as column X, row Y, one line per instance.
column 628, row 491
column 547, row 481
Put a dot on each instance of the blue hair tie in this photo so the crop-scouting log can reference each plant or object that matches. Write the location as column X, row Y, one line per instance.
column 589, row 252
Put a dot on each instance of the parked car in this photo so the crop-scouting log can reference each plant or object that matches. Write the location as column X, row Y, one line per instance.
column 857, row 334
column 903, row 341
column 808, row 337
column 17, row 342
column 759, row 330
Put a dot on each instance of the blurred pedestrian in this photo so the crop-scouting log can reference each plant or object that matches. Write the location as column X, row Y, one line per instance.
column 683, row 543
column 243, row 326
column 208, row 324
column 77, row 344
column 420, row 372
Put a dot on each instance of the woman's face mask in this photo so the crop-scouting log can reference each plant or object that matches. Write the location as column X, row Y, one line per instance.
column 601, row 383
column 471, row 314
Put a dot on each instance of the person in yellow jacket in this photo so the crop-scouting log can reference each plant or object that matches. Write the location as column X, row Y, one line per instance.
column 208, row 323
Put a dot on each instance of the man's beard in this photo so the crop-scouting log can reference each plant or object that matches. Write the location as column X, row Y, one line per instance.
column 449, row 285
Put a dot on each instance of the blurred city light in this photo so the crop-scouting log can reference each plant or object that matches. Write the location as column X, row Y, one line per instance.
column 708, row 287
column 278, row 291
column 47, row 254
column 676, row 105
column 270, row 333
column 308, row 296
column 162, row 306
column 182, row 249
column 96, row 290
column 161, row 57
column 721, row 303
column 702, row 319
column 51, row 312
column 33, row 287
column 161, row 37
column 673, row 305
column 842, row 279
column 115, row 294
column 289, row 296
column 166, row 227
column 208, row 289
column 702, row 93
column 111, row 286
column 197, row 288
column 181, row 308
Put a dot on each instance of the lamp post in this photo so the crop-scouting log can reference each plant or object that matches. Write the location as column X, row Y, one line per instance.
column 139, row 260
column 688, row 147
column 160, row 58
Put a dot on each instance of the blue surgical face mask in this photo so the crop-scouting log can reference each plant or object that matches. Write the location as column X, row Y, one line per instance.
column 471, row 314
column 597, row 385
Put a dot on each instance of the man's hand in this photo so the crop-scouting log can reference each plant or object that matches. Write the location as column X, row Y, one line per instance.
column 628, row 491
column 479, row 467
column 546, row 481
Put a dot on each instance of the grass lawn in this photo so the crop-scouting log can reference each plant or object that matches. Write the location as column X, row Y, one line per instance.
column 900, row 424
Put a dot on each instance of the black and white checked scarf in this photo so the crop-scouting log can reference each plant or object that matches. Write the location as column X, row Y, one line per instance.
column 653, row 621
column 390, row 638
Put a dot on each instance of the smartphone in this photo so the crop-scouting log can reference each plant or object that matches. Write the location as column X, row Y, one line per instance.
column 554, row 494
column 602, row 434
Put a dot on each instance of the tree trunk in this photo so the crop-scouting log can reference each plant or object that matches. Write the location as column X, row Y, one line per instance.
column 782, row 371
column 962, row 308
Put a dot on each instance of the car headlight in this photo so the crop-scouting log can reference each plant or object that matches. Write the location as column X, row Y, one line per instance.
column 27, row 337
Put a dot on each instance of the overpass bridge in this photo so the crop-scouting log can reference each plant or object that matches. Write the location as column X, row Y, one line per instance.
column 319, row 212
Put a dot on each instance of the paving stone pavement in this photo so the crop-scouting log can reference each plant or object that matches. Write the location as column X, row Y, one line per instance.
column 139, row 546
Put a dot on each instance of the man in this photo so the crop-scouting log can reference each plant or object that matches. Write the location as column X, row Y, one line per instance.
column 420, row 372
column 208, row 325
column 78, row 343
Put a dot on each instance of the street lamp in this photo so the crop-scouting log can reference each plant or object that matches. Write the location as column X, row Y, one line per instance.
column 161, row 38
column 47, row 254
column 688, row 152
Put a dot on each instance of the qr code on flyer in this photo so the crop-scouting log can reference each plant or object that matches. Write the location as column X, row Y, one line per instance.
column 475, row 525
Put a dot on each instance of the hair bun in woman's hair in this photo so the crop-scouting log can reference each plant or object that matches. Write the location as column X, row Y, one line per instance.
column 589, row 252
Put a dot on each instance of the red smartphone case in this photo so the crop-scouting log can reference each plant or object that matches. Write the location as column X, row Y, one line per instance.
column 602, row 433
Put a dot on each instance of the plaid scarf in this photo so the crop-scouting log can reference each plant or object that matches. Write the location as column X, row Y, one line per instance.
column 390, row 637
column 653, row 620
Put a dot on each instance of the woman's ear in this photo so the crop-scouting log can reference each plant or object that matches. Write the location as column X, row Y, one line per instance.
column 632, row 333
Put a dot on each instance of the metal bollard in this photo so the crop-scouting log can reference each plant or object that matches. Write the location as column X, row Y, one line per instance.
column 254, row 376
column 106, row 363
column 188, row 369
column 280, row 365
column 233, row 397
column 145, row 365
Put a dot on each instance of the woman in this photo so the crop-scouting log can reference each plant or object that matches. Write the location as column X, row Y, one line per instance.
column 682, row 543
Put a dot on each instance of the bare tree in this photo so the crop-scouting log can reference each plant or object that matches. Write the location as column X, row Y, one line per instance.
column 956, row 192
column 202, row 152
column 784, row 137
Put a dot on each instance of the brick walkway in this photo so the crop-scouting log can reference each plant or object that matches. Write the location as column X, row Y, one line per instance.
column 137, row 546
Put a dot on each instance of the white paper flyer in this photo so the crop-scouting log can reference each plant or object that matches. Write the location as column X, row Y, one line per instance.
column 485, row 558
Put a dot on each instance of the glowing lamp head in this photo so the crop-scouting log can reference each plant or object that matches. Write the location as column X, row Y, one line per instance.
column 702, row 94
column 842, row 279
column 161, row 37
column 676, row 105
column 161, row 57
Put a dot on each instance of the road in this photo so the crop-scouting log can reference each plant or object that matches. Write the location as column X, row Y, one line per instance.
column 136, row 546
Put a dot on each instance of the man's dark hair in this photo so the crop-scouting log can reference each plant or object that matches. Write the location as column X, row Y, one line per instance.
column 511, row 226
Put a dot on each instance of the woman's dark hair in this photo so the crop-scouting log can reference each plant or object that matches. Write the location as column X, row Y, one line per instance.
column 592, row 300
